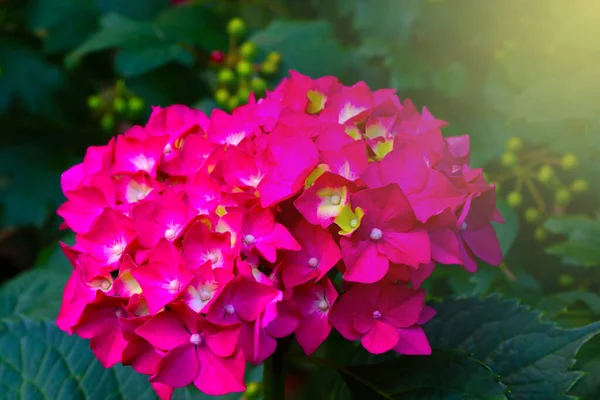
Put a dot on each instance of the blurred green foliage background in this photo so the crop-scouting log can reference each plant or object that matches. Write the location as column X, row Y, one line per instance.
column 521, row 77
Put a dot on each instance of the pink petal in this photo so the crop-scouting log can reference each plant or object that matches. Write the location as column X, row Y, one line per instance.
column 312, row 331
column 164, row 331
column 412, row 341
column 363, row 262
column 219, row 376
column 178, row 368
column 380, row 338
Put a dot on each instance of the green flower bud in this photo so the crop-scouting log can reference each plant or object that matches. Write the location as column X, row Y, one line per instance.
column 243, row 94
column 545, row 173
column 244, row 68
column 514, row 144
column 509, row 159
column 225, row 77
column 236, row 28
column 233, row 102
column 565, row 279
column 120, row 86
column 258, row 85
column 569, row 161
column 540, row 234
column 94, row 102
column 562, row 197
column 580, row 186
column 269, row 68
column 119, row 104
column 274, row 57
column 221, row 97
column 248, row 50
column 532, row 215
column 514, row 199
column 108, row 122
column 135, row 104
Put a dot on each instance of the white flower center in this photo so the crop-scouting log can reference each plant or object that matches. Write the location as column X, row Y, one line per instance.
column 313, row 262
column 205, row 294
column 335, row 200
column 376, row 234
column 323, row 305
column 353, row 223
column 195, row 339
column 115, row 250
column 249, row 240
column 171, row 232
column 229, row 309
column 143, row 163
column 463, row 227
column 174, row 286
column 376, row 314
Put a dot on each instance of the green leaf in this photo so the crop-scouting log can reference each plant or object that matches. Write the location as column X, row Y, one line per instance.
column 29, row 187
column 556, row 303
column 136, row 62
column 38, row 361
column 36, row 294
column 65, row 22
column 582, row 246
column 254, row 373
column 444, row 375
column 588, row 360
column 451, row 79
column 306, row 46
column 506, row 232
column 26, row 77
column 140, row 10
column 532, row 358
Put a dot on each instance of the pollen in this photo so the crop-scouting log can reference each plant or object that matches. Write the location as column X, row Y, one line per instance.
column 229, row 309
column 114, row 251
column 313, row 262
column 195, row 339
column 353, row 223
column 335, row 200
column 174, row 286
column 249, row 240
column 323, row 305
column 376, row 234
column 376, row 314
column 143, row 163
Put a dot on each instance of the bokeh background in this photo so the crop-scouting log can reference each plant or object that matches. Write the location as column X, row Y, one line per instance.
column 521, row 77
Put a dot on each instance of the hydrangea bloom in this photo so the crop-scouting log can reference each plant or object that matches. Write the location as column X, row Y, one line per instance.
column 202, row 240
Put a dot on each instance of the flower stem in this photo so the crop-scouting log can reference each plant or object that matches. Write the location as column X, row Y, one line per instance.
column 273, row 376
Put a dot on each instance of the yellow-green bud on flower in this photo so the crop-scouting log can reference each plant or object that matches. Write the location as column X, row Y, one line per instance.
column 225, row 77
column 580, row 185
column 545, row 173
column 274, row 57
column 108, row 122
column 135, row 104
column 532, row 215
column 569, row 161
column 119, row 104
column 258, row 85
column 540, row 234
column 252, row 389
column 565, row 279
column 269, row 68
column 233, row 102
column 562, row 197
column 509, row 159
column 236, row 27
column 248, row 50
column 514, row 144
column 94, row 102
column 243, row 94
column 221, row 96
column 120, row 86
column 244, row 68
column 514, row 199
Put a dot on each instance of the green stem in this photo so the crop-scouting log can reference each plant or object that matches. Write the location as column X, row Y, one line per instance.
column 273, row 376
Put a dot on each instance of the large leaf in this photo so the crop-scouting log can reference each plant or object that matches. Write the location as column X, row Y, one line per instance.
column 306, row 46
column 38, row 361
column 588, row 360
column 582, row 246
column 506, row 232
column 30, row 186
column 146, row 9
column 532, row 358
column 26, row 77
column 444, row 375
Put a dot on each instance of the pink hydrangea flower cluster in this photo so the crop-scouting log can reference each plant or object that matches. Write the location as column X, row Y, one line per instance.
column 201, row 241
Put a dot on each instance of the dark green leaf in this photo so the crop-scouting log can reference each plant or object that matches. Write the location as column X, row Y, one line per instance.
column 582, row 246
column 140, row 10
column 306, row 46
column 507, row 232
column 136, row 62
column 588, row 360
column 532, row 358
column 444, row 375
column 38, row 361
column 559, row 302
column 26, row 77
column 29, row 188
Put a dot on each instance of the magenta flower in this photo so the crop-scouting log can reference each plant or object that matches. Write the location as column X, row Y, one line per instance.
column 318, row 254
column 388, row 232
column 379, row 315
column 196, row 351
column 314, row 300
column 164, row 278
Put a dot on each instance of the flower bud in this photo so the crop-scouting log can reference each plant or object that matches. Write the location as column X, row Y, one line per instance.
column 225, row 77
column 540, row 234
column 569, row 161
column 94, row 102
column 244, row 68
column 258, row 85
column 248, row 50
column 532, row 215
column 514, row 144
column 580, row 185
column 217, row 56
column 119, row 104
column 509, row 159
column 268, row 68
column 108, row 122
column 221, row 97
column 563, row 197
column 514, row 199
column 236, row 28
column 243, row 94
column 565, row 279
column 135, row 104
column 274, row 57
column 545, row 173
